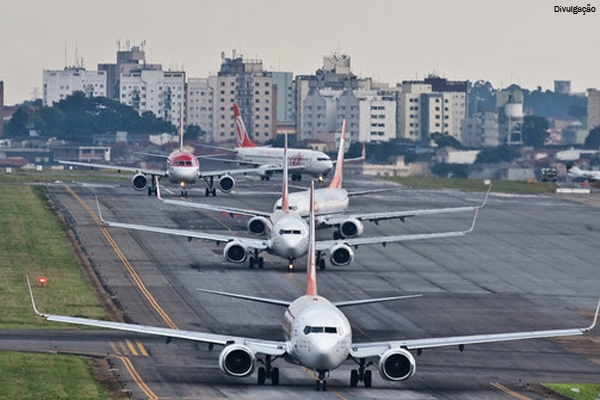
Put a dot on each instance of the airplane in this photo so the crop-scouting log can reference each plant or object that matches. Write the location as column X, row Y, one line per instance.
column 577, row 173
column 267, row 160
column 183, row 168
column 317, row 336
column 287, row 236
column 331, row 203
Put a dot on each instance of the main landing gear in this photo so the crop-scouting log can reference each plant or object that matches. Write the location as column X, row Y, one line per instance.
column 268, row 372
column 255, row 261
column 210, row 182
column 361, row 374
column 152, row 188
column 320, row 261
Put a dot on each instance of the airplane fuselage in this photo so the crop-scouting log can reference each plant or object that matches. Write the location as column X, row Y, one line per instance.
column 183, row 168
column 289, row 235
column 312, row 162
column 317, row 333
column 326, row 201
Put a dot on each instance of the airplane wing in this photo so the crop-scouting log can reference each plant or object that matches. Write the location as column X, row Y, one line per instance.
column 336, row 219
column 366, row 350
column 218, row 238
column 119, row 168
column 211, row 207
column 269, row 347
column 323, row 245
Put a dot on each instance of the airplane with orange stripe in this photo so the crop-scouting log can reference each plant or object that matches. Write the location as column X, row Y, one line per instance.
column 317, row 335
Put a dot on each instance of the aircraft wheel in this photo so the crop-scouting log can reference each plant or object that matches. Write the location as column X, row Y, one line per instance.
column 353, row 378
column 322, row 264
column 336, row 235
column 260, row 263
column 214, row 192
column 275, row 377
column 262, row 375
column 251, row 262
column 367, row 379
column 206, row 192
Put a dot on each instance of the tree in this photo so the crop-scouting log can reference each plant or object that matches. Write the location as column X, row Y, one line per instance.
column 592, row 141
column 493, row 155
column 17, row 124
column 446, row 141
column 534, row 130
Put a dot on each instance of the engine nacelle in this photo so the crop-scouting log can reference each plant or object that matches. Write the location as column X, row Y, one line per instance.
column 341, row 255
column 259, row 225
column 139, row 181
column 351, row 227
column 237, row 360
column 226, row 183
column 235, row 252
column 397, row 365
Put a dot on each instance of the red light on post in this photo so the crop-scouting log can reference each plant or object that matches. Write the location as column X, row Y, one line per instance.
column 42, row 280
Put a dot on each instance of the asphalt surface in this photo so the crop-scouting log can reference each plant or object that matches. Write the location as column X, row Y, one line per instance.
column 530, row 264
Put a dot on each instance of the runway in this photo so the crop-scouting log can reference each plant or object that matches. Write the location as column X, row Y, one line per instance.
column 530, row 264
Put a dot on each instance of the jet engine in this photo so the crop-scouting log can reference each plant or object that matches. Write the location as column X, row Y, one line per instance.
column 341, row 255
column 226, row 183
column 259, row 225
column 397, row 365
column 237, row 360
column 139, row 181
column 235, row 252
column 351, row 227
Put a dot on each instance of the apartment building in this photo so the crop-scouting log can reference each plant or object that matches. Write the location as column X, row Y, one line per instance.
column 59, row 84
column 593, row 108
column 200, row 94
column 160, row 92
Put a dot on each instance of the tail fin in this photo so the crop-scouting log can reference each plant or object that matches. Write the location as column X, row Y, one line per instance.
column 242, row 139
column 311, row 270
column 181, row 130
column 336, row 182
column 285, row 204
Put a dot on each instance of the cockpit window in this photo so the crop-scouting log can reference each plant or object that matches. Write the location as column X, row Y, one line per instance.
column 290, row 232
column 319, row 329
column 323, row 159
column 292, row 207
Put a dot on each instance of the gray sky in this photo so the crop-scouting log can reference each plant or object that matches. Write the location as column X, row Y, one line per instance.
column 508, row 41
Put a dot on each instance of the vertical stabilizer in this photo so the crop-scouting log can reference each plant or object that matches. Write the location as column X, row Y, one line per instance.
column 241, row 138
column 181, row 130
column 336, row 182
column 311, row 270
column 285, row 201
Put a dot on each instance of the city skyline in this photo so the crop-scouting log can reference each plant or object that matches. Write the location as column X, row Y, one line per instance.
column 504, row 42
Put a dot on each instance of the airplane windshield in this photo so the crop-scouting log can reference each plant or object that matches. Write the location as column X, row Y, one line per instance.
column 290, row 232
column 181, row 163
column 323, row 159
column 319, row 329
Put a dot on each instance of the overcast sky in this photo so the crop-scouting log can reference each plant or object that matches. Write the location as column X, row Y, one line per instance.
column 508, row 41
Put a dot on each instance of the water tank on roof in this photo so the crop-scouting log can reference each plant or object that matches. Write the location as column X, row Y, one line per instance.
column 513, row 110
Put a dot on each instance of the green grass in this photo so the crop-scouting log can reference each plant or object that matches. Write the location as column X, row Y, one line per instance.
column 34, row 241
column 582, row 391
column 35, row 376
column 519, row 187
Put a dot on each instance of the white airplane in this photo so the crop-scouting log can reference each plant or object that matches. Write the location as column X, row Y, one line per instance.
column 287, row 237
column 268, row 160
column 183, row 169
column 317, row 336
column 577, row 173
column 331, row 203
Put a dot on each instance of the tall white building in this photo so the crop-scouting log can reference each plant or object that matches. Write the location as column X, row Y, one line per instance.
column 161, row 92
column 246, row 83
column 593, row 108
column 200, row 103
column 377, row 118
column 59, row 84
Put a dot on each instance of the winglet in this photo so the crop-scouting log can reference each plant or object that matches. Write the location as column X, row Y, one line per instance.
column 158, row 195
column 589, row 328
column 242, row 139
column 336, row 182
column 100, row 212
column 311, row 270
column 285, row 205
column 487, row 194
column 32, row 299
column 472, row 228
